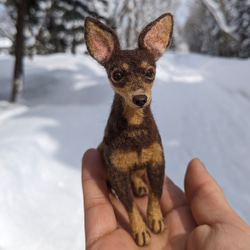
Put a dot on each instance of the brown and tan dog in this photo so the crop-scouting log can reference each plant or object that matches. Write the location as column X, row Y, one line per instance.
column 132, row 145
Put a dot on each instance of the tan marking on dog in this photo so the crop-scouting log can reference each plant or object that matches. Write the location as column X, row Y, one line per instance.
column 127, row 93
column 137, row 178
column 125, row 160
column 131, row 89
column 125, row 66
column 133, row 116
column 140, row 231
column 155, row 219
column 140, row 91
column 153, row 153
column 139, row 172
column 144, row 64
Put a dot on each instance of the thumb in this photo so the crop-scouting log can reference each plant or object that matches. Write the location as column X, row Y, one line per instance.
column 207, row 201
column 98, row 211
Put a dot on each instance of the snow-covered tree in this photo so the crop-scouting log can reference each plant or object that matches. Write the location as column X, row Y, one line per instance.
column 219, row 27
column 46, row 26
column 238, row 17
column 50, row 34
column 22, row 12
column 7, row 27
column 75, row 13
column 132, row 15
column 62, row 23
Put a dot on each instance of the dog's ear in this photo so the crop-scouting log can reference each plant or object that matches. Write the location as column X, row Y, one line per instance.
column 101, row 41
column 156, row 36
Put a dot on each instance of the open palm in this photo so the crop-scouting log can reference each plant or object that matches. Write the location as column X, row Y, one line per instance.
column 199, row 219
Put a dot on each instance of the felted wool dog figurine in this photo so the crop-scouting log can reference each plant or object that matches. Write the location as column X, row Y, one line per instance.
column 132, row 145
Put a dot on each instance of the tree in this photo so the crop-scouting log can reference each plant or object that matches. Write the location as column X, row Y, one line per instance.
column 219, row 27
column 74, row 18
column 62, row 23
column 48, row 26
column 20, row 11
column 7, row 27
column 17, row 81
column 132, row 15
column 238, row 16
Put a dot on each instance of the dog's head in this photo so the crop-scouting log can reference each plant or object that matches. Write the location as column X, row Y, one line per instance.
column 130, row 72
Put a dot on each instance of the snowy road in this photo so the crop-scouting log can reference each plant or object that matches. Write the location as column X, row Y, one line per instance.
column 201, row 105
column 209, row 118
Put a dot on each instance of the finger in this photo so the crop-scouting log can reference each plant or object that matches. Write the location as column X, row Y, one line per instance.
column 176, row 211
column 207, row 201
column 172, row 196
column 99, row 215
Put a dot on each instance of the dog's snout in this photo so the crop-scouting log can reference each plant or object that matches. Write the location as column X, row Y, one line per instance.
column 140, row 100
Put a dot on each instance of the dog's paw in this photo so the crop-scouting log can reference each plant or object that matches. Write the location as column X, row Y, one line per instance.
column 141, row 190
column 140, row 187
column 142, row 237
column 156, row 224
column 140, row 231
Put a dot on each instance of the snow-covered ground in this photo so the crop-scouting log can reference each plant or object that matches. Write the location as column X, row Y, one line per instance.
column 201, row 105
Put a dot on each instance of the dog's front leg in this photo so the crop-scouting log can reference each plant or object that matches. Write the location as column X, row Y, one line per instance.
column 155, row 178
column 120, row 182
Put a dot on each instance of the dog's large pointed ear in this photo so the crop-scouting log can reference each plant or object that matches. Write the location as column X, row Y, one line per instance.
column 156, row 36
column 101, row 41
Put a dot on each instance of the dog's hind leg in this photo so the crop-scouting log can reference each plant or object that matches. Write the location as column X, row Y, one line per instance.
column 138, row 181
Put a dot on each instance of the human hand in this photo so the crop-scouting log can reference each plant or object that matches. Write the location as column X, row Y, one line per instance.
column 199, row 219
column 106, row 220
column 218, row 225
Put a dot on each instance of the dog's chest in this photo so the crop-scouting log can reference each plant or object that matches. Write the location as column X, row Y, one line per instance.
column 127, row 137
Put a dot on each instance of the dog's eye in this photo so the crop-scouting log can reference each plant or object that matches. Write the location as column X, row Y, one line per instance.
column 149, row 73
column 117, row 75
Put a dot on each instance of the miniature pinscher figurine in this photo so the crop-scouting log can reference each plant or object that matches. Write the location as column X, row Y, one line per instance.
column 131, row 147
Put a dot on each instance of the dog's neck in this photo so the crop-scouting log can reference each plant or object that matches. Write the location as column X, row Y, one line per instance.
column 133, row 116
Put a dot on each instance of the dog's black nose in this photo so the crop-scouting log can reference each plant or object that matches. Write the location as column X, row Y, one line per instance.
column 140, row 100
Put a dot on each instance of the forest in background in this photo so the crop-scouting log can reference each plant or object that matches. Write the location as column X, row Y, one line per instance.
column 215, row 27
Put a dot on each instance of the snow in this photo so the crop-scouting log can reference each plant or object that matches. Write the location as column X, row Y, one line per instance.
column 201, row 105
column 5, row 43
